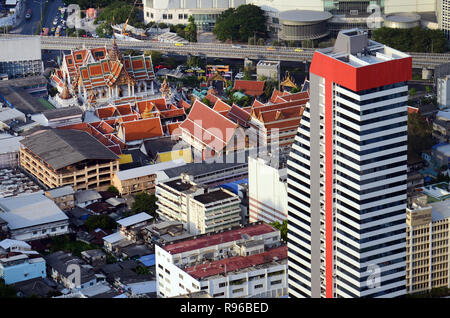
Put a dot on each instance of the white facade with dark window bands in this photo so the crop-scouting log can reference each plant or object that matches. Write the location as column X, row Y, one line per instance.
column 369, row 192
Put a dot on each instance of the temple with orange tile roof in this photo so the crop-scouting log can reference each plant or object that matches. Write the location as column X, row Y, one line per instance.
column 210, row 133
column 98, row 76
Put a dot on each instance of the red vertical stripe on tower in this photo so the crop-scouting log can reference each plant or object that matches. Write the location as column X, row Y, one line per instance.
column 329, row 187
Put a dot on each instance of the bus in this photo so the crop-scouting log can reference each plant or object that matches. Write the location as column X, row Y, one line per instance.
column 58, row 30
column 45, row 31
column 218, row 68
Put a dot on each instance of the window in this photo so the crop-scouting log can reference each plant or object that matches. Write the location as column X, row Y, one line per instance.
column 239, row 290
column 170, row 16
column 148, row 14
column 164, row 16
column 185, row 16
column 259, row 286
column 180, row 16
column 275, row 282
column 219, row 294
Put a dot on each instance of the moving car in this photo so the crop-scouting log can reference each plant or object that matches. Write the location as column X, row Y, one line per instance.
column 28, row 14
column 298, row 50
column 179, row 44
column 271, row 48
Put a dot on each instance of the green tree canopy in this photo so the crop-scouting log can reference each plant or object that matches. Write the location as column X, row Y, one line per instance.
column 282, row 227
column 412, row 40
column 144, row 202
column 419, row 133
column 238, row 24
column 100, row 221
column 7, row 291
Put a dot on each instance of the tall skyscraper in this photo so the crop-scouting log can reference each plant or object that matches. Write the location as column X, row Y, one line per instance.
column 347, row 174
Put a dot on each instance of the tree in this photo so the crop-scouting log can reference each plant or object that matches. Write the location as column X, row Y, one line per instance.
column 412, row 92
column 412, row 40
column 269, row 86
column 191, row 30
column 7, row 291
column 156, row 57
column 113, row 189
column 206, row 101
column 282, row 227
column 104, row 222
column 251, row 41
column 247, row 75
column 238, row 24
column 428, row 89
column 261, row 42
column 144, row 202
column 419, row 133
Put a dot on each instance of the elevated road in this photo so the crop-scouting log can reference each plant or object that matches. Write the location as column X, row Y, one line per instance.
column 420, row 60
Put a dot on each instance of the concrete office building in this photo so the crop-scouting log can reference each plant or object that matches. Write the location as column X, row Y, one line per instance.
column 443, row 16
column 267, row 191
column 443, row 92
column 347, row 174
column 15, row 61
column 205, row 12
column 201, row 210
column 427, row 244
column 243, row 262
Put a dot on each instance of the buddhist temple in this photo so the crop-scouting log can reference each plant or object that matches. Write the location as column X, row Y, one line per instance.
column 100, row 75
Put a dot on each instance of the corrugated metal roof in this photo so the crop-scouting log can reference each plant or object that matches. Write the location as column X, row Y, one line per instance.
column 61, row 148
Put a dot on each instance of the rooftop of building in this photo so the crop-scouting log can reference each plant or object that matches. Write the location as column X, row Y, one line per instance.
column 148, row 169
column 9, row 143
column 213, row 196
column 62, row 148
column 83, row 196
column 211, row 239
column 22, row 100
column 135, row 219
column 440, row 210
column 353, row 47
column 63, row 112
column 305, row 16
column 24, row 82
column 444, row 149
column 60, row 191
column 181, row 185
column 238, row 263
column 20, row 211
column 60, row 261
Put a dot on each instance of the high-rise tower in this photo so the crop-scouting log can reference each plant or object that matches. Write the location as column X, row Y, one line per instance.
column 347, row 174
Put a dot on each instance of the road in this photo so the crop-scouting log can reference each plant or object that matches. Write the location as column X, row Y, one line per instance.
column 29, row 27
column 254, row 52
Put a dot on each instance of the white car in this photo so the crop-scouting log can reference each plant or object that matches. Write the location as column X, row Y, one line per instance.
column 239, row 75
column 236, row 46
column 55, row 22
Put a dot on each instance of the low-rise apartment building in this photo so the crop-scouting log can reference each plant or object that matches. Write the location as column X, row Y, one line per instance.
column 141, row 179
column 199, row 208
column 64, row 197
column 18, row 262
column 242, row 262
column 33, row 216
